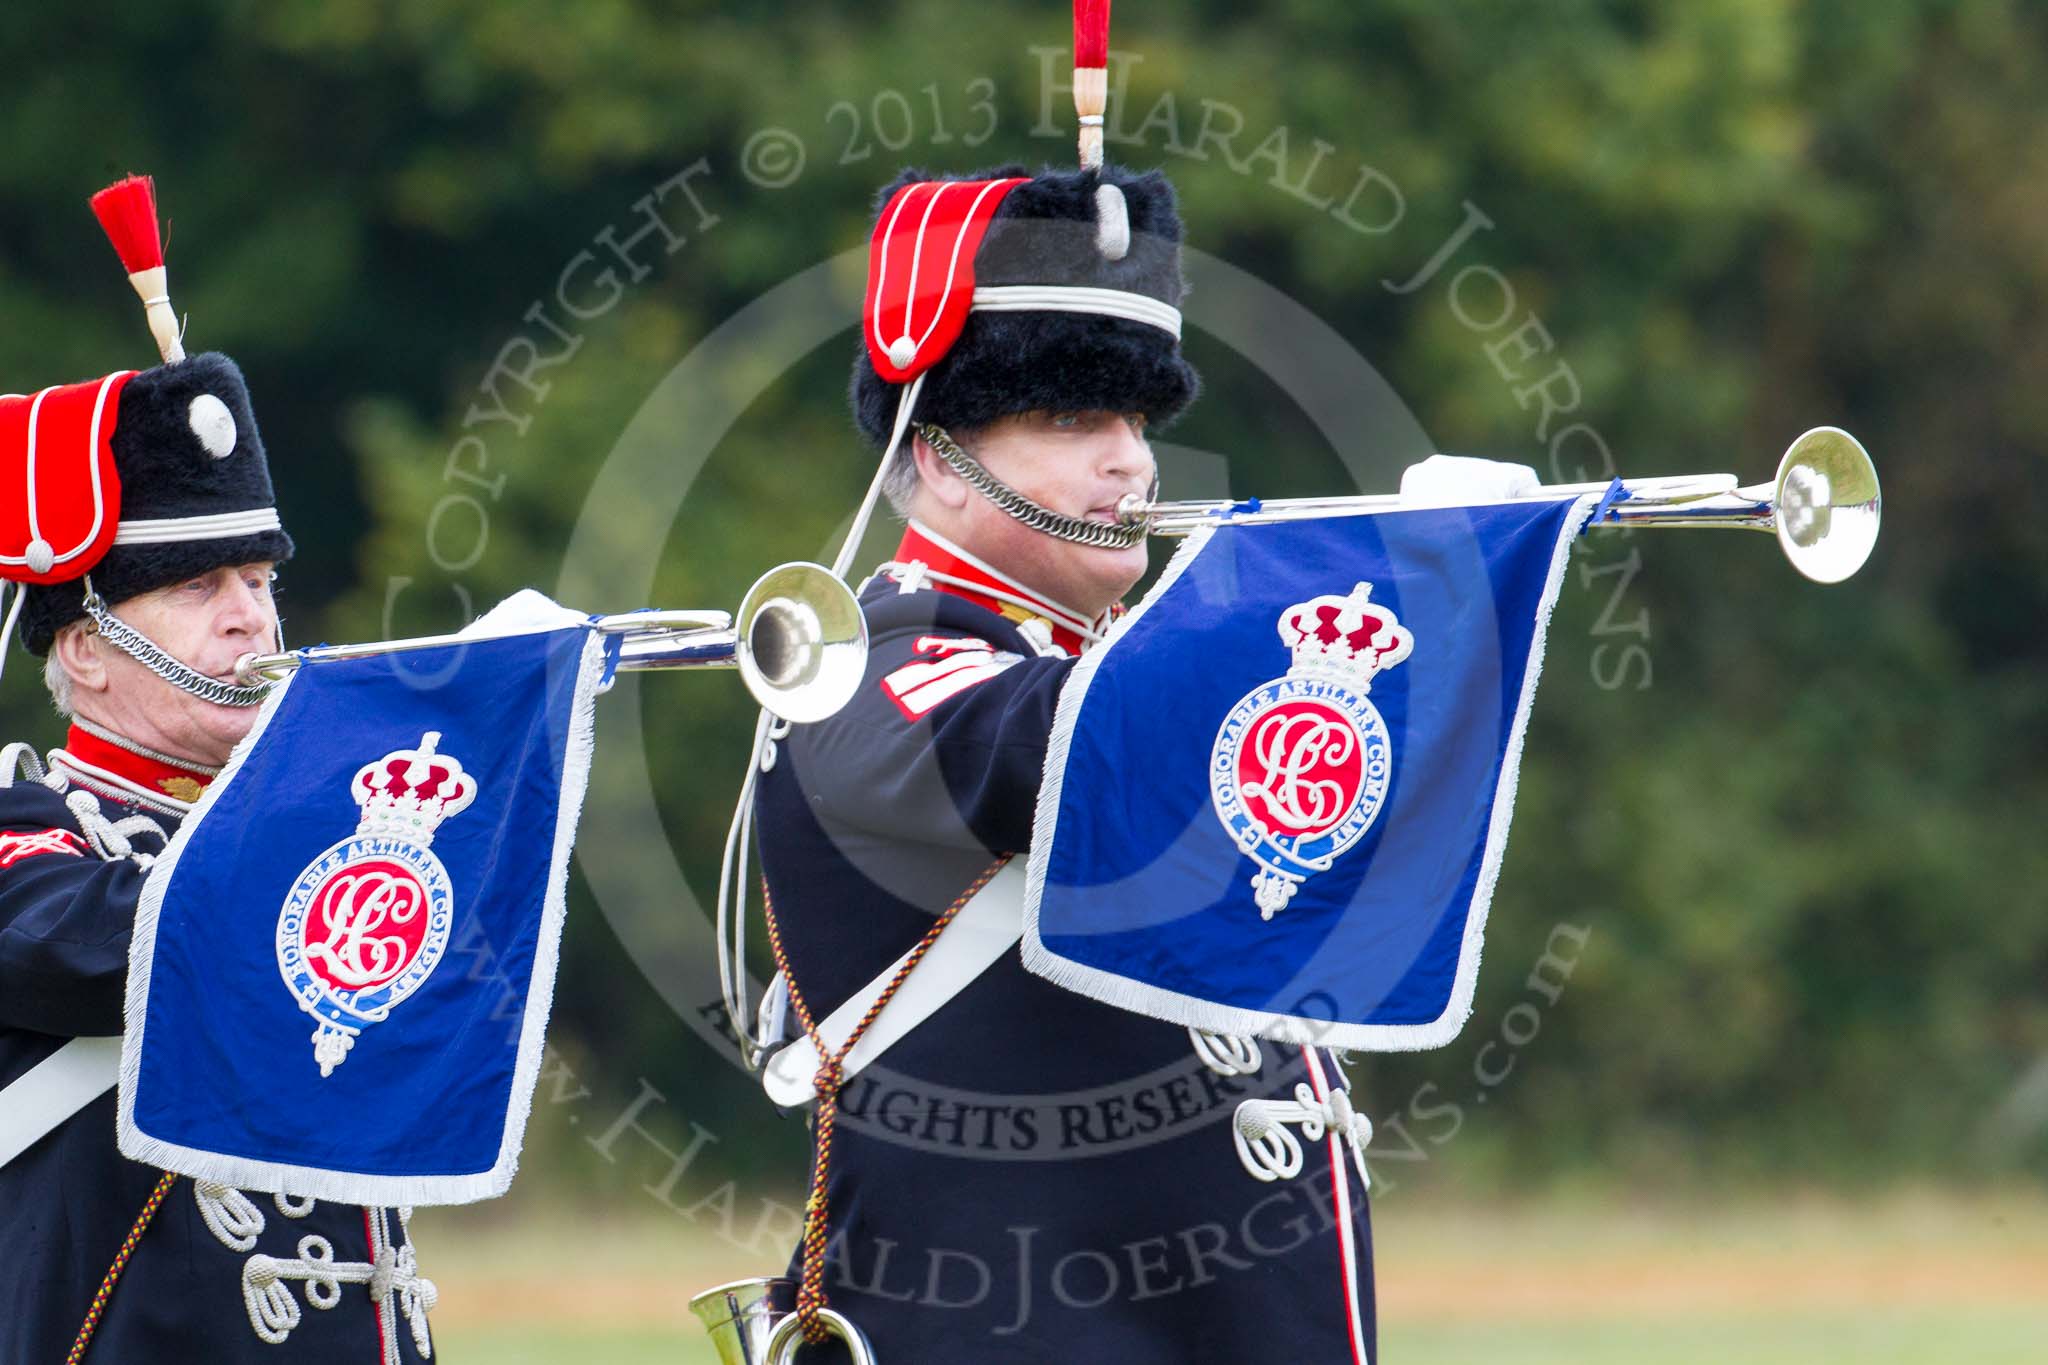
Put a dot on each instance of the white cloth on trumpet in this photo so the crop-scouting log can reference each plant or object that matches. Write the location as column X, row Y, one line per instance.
column 1455, row 480
column 523, row 613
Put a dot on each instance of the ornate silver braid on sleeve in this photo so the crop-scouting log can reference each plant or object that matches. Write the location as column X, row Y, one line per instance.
column 151, row 656
column 1099, row 534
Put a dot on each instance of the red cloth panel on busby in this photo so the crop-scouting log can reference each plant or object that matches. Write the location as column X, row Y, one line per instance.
column 63, row 494
column 921, row 271
column 1045, row 232
column 186, row 446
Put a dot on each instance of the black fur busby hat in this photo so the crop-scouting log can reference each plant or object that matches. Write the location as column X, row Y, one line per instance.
column 134, row 481
column 189, row 459
column 1051, row 313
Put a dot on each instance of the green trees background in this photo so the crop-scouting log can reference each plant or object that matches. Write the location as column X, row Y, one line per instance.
column 1790, row 838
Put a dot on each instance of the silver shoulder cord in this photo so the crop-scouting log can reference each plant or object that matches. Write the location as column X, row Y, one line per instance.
column 153, row 657
column 19, row 760
column 732, row 899
column 755, row 1034
column 112, row 840
column 1101, row 535
column 13, row 616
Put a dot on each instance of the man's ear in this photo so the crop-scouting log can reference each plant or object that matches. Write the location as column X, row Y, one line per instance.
column 82, row 655
column 937, row 476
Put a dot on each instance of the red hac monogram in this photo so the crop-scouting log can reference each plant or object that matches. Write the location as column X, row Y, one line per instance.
column 371, row 918
column 1300, row 769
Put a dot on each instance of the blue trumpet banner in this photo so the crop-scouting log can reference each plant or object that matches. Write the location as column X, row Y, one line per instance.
column 1276, row 800
column 343, row 963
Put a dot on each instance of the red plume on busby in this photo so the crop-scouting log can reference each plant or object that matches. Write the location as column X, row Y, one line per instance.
column 127, row 213
column 1091, row 75
column 1002, row 292
column 1091, row 98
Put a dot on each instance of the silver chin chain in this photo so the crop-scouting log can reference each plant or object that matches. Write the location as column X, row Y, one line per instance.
column 1098, row 534
column 151, row 656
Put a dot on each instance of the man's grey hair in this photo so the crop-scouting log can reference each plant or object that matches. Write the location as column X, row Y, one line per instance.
column 58, row 681
column 899, row 481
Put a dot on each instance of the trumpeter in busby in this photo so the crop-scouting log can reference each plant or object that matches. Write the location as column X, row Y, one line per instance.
column 134, row 481
column 138, row 540
column 1002, row 1169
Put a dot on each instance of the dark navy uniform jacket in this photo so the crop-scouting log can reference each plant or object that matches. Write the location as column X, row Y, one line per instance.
column 1028, row 1175
column 195, row 1288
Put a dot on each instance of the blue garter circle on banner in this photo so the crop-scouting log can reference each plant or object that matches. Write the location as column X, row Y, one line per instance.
column 383, row 866
column 367, row 922
column 1301, row 764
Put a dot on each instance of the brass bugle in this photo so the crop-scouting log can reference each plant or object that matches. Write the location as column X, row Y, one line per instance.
column 798, row 640
column 1824, row 505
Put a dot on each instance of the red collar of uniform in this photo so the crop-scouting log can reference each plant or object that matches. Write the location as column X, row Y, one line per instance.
column 179, row 781
column 922, row 545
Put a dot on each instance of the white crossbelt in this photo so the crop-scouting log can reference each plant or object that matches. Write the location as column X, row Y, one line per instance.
column 54, row 1089
column 988, row 926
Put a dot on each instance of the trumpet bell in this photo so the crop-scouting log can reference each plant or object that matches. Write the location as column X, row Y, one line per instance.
column 1827, row 504
column 754, row 1322
column 742, row 1315
column 802, row 643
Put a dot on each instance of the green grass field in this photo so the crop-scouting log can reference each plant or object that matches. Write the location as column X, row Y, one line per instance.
column 1910, row 1277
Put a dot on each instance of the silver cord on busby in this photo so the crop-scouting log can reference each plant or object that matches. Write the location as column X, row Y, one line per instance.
column 1099, row 535
column 162, row 662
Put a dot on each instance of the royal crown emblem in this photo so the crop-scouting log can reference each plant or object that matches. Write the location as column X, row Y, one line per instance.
column 367, row 921
column 1301, row 764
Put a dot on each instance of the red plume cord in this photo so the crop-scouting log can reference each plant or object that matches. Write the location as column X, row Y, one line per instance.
column 1091, row 76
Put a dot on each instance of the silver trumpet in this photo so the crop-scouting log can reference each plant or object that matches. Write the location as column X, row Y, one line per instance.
column 753, row 1322
column 799, row 642
column 1824, row 505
